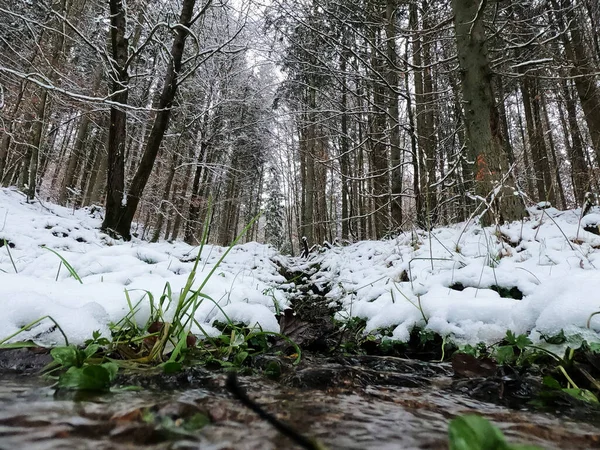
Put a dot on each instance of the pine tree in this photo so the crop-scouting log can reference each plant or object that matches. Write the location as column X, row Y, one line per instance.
column 274, row 212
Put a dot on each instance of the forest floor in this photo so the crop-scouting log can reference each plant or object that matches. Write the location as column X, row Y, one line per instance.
column 369, row 345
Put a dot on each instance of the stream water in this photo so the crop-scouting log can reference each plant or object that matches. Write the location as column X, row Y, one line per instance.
column 33, row 416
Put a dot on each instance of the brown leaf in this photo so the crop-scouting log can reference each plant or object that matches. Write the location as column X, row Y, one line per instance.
column 132, row 415
column 292, row 327
column 468, row 366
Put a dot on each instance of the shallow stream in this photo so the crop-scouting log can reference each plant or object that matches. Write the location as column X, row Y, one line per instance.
column 33, row 416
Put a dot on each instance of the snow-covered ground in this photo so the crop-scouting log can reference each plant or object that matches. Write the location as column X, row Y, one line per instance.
column 401, row 283
column 41, row 286
column 394, row 284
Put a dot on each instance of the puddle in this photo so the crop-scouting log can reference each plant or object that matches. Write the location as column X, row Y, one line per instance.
column 372, row 417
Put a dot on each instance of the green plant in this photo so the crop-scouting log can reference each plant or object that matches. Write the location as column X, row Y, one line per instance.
column 80, row 370
column 28, row 327
column 520, row 351
column 165, row 339
column 271, row 293
column 238, row 345
column 472, row 432
column 63, row 261
column 479, row 350
column 7, row 246
column 417, row 305
column 189, row 299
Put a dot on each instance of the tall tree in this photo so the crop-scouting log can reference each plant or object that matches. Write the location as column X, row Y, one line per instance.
column 121, row 206
column 493, row 181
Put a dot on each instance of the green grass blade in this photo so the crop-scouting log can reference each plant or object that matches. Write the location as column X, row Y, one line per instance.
column 29, row 326
column 10, row 256
column 69, row 267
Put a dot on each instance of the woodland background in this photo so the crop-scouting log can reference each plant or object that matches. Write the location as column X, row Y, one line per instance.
column 349, row 120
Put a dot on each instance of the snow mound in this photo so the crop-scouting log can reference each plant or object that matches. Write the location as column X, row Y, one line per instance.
column 472, row 284
column 34, row 283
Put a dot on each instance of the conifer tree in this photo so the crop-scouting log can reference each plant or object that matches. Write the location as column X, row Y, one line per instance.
column 274, row 212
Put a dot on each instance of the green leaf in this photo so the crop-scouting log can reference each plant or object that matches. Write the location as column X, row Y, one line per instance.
column 273, row 369
column 522, row 342
column 196, row 422
column 239, row 358
column 505, row 354
column 258, row 341
column 469, row 350
column 91, row 350
column 475, row 433
column 112, row 369
column 594, row 347
column 426, row 336
column 511, row 338
column 65, row 356
column 87, row 378
column 582, row 394
column 557, row 339
column 238, row 339
column 172, row 367
column 551, row 382
column 69, row 267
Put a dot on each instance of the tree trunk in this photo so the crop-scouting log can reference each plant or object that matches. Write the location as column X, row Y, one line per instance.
column 36, row 141
column 321, row 216
column 537, row 146
column 428, row 131
column 481, row 117
column 579, row 169
column 379, row 173
column 179, row 195
column 166, row 194
column 117, row 135
column 548, row 132
column 582, row 71
column 78, row 152
column 6, row 139
column 421, row 158
column 120, row 216
column 97, row 185
column 344, row 153
column 393, row 113
column 504, row 120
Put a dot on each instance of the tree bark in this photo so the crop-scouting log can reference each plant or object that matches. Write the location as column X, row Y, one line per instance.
column 117, row 135
column 120, row 217
column 78, row 152
column 537, row 146
column 393, row 112
column 579, row 168
column 481, row 117
column 379, row 173
column 426, row 200
column 583, row 71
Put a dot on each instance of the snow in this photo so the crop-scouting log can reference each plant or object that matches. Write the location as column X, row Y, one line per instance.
column 244, row 285
column 440, row 281
column 411, row 281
